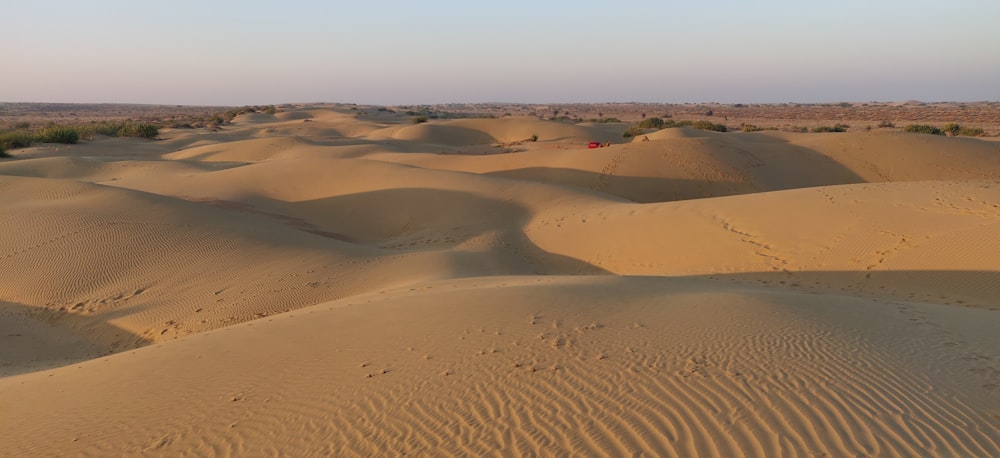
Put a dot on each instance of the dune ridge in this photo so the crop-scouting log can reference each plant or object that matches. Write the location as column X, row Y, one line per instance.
column 325, row 282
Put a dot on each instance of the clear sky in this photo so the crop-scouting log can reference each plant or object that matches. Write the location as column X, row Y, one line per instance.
column 221, row 52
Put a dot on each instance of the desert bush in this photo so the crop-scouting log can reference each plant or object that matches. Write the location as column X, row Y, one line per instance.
column 923, row 129
column 954, row 129
column 110, row 129
column 16, row 139
column 3, row 152
column 178, row 124
column 214, row 121
column 835, row 128
column 668, row 123
column 124, row 129
column 753, row 128
column 58, row 134
column 632, row 131
column 652, row 123
column 703, row 125
column 534, row 137
column 971, row 131
column 886, row 124
column 708, row 125
column 419, row 119
column 141, row 130
column 22, row 125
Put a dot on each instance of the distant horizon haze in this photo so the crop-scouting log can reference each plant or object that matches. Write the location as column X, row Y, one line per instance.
column 403, row 53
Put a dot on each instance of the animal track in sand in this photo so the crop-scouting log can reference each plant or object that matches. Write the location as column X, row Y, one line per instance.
column 763, row 249
column 904, row 243
column 608, row 171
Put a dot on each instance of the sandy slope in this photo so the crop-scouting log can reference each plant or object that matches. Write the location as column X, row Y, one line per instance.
column 453, row 289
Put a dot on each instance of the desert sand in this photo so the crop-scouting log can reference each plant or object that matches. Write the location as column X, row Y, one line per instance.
column 324, row 282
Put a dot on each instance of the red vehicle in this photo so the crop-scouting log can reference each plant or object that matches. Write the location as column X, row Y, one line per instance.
column 593, row 145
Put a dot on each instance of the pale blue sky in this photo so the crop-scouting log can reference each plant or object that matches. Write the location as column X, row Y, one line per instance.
column 225, row 52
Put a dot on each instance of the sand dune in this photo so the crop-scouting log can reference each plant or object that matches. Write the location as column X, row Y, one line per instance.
column 338, row 281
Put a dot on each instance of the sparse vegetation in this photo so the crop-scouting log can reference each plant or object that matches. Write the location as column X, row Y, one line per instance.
column 58, row 134
column 69, row 135
column 923, row 129
column 632, row 131
column 835, row 128
column 120, row 129
column 954, row 129
column 971, row 132
column 885, row 124
column 652, row 123
column 141, row 130
column 708, row 125
column 419, row 119
column 3, row 153
column 753, row 128
column 16, row 139
column 657, row 123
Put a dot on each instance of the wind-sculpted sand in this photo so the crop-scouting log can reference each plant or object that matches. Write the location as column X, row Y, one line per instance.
column 318, row 282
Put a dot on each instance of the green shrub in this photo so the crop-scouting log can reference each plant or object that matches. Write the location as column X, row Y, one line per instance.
column 123, row 129
column 16, row 139
column 708, row 125
column 632, row 131
column 3, row 152
column 59, row 134
column 753, row 128
column 971, row 131
column 954, row 129
column 836, row 128
column 419, row 119
column 141, row 130
column 923, row 129
column 110, row 129
column 652, row 123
